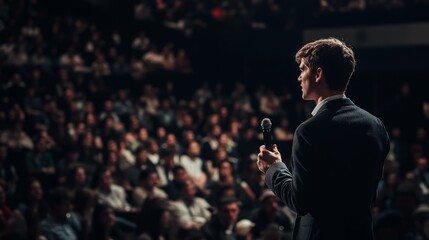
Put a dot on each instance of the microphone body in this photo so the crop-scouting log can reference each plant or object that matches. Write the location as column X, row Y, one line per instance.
column 266, row 132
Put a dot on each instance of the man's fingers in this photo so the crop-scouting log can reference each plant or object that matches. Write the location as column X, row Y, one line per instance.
column 274, row 148
column 261, row 165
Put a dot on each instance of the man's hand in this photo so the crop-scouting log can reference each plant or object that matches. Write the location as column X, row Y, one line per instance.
column 267, row 158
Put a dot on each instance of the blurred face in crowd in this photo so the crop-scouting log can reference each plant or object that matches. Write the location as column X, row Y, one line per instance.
column 425, row 107
column 187, row 120
column 270, row 205
column 166, row 104
column 134, row 123
column 143, row 134
column 254, row 122
column 81, row 128
column 88, row 140
column 89, row 107
column 108, row 105
column 224, row 112
column 122, row 94
column 223, row 139
column 69, row 94
column 228, row 213
column 36, row 191
column 225, row 169
column 106, row 180
column 112, row 146
column 230, row 192
column 91, row 120
column 113, row 158
column 194, row 149
column 189, row 191
column 249, row 134
column 422, row 164
column 392, row 179
column 41, row 146
column 421, row 133
column 80, row 176
column 180, row 175
column 410, row 177
column 161, row 133
column 151, row 181
column 153, row 147
column 142, row 156
column 216, row 131
column 221, row 154
column 189, row 136
column 171, row 139
column 107, row 218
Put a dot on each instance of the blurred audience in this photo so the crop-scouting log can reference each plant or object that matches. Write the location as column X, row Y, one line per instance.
column 97, row 118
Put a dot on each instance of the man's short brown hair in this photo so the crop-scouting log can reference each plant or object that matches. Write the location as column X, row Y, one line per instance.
column 333, row 56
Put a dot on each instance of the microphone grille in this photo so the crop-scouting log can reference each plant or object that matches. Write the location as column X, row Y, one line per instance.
column 266, row 123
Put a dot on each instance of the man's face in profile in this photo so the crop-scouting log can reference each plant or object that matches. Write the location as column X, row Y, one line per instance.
column 306, row 79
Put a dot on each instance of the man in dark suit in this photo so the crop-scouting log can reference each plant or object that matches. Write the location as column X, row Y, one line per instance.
column 337, row 154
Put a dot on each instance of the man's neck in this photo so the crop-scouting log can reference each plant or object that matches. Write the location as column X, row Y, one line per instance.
column 327, row 94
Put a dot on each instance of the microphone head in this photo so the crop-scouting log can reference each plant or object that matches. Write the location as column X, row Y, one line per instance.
column 266, row 123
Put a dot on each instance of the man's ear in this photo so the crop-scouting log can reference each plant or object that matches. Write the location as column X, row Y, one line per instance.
column 320, row 74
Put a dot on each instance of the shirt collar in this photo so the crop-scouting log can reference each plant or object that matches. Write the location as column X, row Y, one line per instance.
column 320, row 104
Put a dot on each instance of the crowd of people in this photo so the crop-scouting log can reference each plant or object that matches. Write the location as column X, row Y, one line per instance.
column 97, row 140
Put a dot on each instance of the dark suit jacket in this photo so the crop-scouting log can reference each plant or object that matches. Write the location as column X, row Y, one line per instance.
column 337, row 162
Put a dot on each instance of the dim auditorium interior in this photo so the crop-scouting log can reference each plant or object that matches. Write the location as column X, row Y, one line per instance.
column 140, row 119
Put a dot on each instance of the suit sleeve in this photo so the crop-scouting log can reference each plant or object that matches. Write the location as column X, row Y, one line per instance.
column 294, row 189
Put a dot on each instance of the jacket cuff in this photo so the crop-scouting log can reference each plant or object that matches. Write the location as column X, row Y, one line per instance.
column 271, row 171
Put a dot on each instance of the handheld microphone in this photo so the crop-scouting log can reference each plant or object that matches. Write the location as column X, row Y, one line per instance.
column 266, row 131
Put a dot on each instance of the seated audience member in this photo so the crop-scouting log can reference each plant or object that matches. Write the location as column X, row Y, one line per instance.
column 272, row 232
column 223, row 223
column 227, row 178
column 83, row 207
column 76, row 179
column 111, row 194
column 213, row 165
column 5, row 210
column 397, row 223
column 8, row 173
column 269, row 213
column 59, row 224
column 33, row 208
column 16, row 138
column 148, row 188
column 153, row 152
column 104, row 224
column 193, row 164
column 11, row 224
column 421, row 221
column 190, row 211
column 166, row 166
column 131, row 174
column 65, row 165
column 156, row 219
column 179, row 177
column 40, row 163
column 172, row 144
